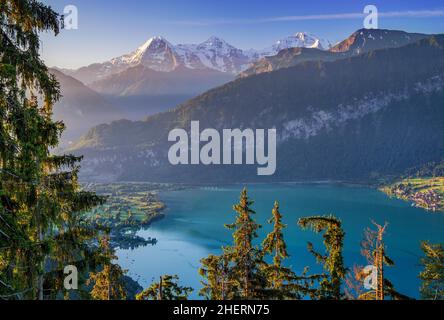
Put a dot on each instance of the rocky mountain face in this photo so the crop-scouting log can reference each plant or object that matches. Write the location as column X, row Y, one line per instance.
column 359, row 42
column 215, row 54
column 366, row 40
column 298, row 40
column 290, row 57
column 160, row 55
column 360, row 118
column 153, row 76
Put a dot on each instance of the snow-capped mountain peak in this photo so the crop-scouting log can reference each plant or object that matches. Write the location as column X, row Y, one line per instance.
column 153, row 42
column 156, row 53
column 214, row 41
column 301, row 35
column 216, row 44
column 298, row 40
column 215, row 53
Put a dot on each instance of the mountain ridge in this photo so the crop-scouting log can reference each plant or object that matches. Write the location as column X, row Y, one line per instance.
column 80, row 108
column 361, row 41
column 215, row 53
column 142, row 80
column 355, row 118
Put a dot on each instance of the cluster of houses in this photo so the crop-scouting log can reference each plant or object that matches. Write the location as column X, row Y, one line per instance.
column 430, row 200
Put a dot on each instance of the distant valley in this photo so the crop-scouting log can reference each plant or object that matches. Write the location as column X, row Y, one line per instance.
column 81, row 108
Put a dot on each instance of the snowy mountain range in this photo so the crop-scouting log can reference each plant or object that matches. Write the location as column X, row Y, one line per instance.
column 360, row 42
column 369, row 115
column 298, row 40
column 160, row 55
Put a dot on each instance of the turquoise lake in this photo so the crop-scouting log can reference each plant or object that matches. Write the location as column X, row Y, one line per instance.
column 195, row 218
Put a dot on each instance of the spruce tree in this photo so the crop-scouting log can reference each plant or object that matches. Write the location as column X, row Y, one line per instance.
column 282, row 282
column 166, row 289
column 39, row 193
column 246, row 257
column 432, row 275
column 333, row 261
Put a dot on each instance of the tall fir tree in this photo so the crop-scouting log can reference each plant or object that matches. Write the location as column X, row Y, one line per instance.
column 39, row 192
column 282, row 282
column 246, row 256
column 432, row 275
column 333, row 261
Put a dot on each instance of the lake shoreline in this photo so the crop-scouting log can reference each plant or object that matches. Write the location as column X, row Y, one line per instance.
column 193, row 227
column 425, row 193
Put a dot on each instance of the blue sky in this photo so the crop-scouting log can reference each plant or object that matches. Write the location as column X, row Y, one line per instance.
column 109, row 28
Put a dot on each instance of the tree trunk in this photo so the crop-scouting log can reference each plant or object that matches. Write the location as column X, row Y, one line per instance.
column 160, row 297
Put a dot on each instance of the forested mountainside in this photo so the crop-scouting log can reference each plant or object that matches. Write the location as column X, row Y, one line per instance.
column 360, row 118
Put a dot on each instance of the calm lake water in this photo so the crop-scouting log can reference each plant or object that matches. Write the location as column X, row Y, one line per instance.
column 195, row 218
